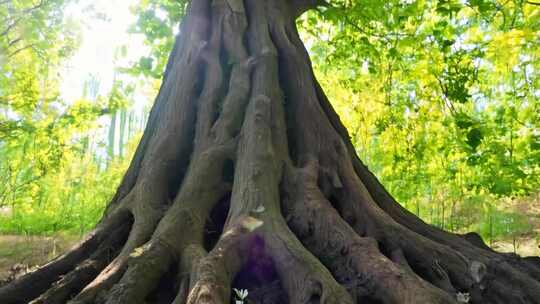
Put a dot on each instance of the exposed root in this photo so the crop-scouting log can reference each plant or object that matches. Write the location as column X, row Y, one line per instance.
column 102, row 283
column 188, row 214
column 437, row 263
column 139, row 234
column 355, row 261
column 73, row 282
column 303, row 276
column 33, row 284
column 86, row 271
column 213, row 275
column 147, row 265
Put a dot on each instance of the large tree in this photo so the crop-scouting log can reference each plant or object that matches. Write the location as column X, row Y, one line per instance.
column 246, row 178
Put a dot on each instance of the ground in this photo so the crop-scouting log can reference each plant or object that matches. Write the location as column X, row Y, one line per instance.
column 18, row 254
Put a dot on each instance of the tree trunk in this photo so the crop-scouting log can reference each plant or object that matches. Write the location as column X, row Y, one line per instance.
column 245, row 178
column 112, row 136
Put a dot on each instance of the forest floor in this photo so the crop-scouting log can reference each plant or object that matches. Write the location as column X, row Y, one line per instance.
column 20, row 254
column 525, row 246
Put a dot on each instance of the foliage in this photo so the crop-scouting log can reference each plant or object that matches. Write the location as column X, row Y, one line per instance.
column 71, row 200
column 51, row 175
column 35, row 125
column 158, row 20
column 441, row 100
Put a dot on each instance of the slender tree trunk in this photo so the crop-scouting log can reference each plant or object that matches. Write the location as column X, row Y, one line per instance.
column 131, row 125
column 245, row 178
column 112, row 136
column 121, row 138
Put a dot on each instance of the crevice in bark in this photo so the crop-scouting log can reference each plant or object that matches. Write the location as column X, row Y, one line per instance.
column 334, row 202
column 315, row 298
column 432, row 272
column 338, row 201
column 227, row 174
column 202, row 75
column 213, row 228
column 369, row 299
column 174, row 184
column 384, row 250
column 259, row 276
column 227, row 66
column 475, row 239
column 533, row 261
column 292, row 142
column 166, row 288
column 178, row 171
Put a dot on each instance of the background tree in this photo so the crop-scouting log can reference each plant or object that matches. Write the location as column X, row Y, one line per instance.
column 426, row 99
column 51, row 176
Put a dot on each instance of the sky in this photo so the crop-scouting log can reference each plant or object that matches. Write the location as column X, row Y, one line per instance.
column 101, row 37
column 104, row 30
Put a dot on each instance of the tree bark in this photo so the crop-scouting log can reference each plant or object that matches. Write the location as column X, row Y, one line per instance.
column 245, row 178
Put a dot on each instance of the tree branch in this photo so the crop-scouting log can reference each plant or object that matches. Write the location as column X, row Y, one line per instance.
column 301, row 6
column 13, row 42
column 20, row 50
column 19, row 15
column 10, row 26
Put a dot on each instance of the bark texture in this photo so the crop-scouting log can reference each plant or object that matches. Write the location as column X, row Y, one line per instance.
column 246, row 178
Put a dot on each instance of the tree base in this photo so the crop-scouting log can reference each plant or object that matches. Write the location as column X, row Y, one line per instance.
column 246, row 178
